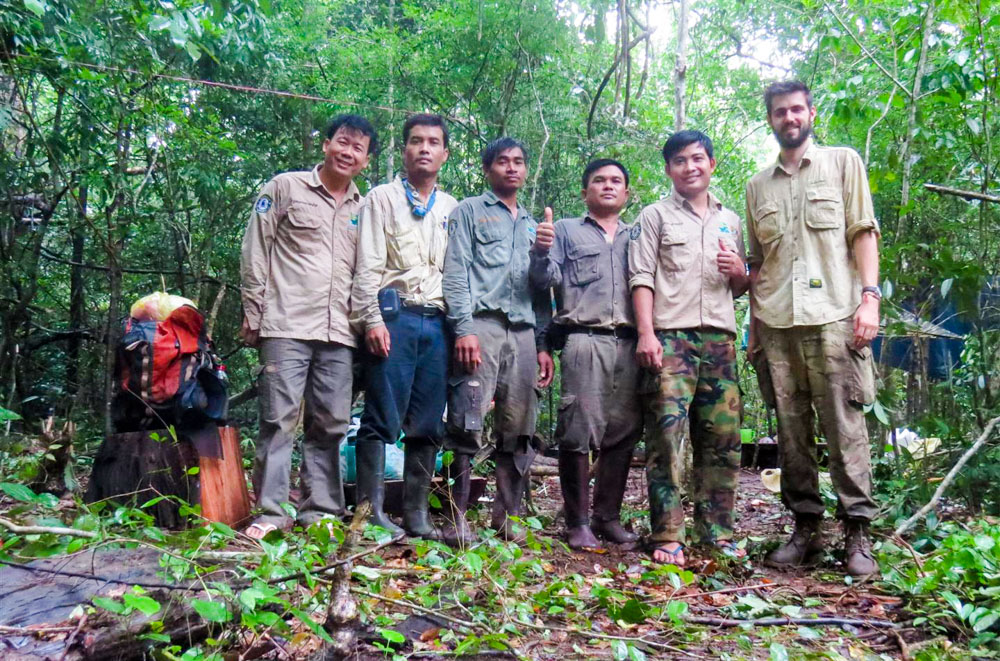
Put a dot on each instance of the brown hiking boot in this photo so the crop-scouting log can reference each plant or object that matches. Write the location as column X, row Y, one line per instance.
column 858, row 549
column 804, row 548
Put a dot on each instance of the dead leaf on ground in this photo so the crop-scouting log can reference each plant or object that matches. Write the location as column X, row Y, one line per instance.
column 430, row 634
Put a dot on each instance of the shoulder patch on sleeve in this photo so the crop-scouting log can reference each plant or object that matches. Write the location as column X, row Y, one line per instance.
column 263, row 204
column 636, row 230
column 452, row 226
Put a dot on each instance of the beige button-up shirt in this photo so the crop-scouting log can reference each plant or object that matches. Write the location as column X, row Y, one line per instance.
column 297, row 262
column 673, row 251
column 400, row 250
column 801, row 230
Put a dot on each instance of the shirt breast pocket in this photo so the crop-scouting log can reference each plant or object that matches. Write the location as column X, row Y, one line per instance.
column 674, row 249
column 402, row 248
column 584, row 264
column 494, row 247
column 304, row 228
column 825, row 208
column 768, row 226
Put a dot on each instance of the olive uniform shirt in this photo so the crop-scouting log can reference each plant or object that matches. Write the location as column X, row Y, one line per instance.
column 589, row 274
column 801, row 228
column 297, row 261
column 674, row 252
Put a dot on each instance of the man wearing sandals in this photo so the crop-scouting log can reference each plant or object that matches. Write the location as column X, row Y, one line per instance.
column 398, row 307
column 296, row 267
column 686, row 266
column 586, row 261
column 492, row 311
column 813, row 242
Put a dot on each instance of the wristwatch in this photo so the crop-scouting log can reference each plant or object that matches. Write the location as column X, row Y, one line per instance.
column 875, row 290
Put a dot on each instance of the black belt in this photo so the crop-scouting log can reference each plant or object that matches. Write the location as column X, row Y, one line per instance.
column 618, row 332
column 425, row 310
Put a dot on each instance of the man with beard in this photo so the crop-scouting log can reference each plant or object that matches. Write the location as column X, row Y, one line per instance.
column 296, row 268
column 493, row 314
column 398, row 306
column 686, row 267
column 586, row 261
column 815, row 303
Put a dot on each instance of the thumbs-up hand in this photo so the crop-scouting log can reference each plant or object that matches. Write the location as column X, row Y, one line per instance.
column 729, row 261
column 545, row 233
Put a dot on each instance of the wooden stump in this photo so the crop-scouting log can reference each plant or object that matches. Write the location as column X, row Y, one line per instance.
column 136, row 467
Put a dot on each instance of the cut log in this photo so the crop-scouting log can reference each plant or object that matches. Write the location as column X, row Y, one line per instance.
column 136, row 467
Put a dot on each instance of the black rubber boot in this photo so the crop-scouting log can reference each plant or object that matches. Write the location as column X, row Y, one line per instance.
column 370, row 463
column 510, row 493
column 574, row 479
column 613, row 467
column 457, row 531
column 804, row 547
column 419, row 457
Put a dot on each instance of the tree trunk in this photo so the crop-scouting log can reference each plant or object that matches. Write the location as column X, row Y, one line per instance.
column 76, row 299
column 680, row 65
column 911, row 125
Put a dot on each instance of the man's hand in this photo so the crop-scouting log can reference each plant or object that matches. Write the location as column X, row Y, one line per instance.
column 546, row 369
column 250, row 337
column 729, row 262
column 467, row 352
column 649, row 352
column 378, row 342
column 866, row 321
column 545, row 233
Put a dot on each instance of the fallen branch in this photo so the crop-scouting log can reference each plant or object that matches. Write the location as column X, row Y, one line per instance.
column 967, row 194
column 792, row 621
column 93, row 577
column 46, row 530
column 949, row 478
column 332, row 565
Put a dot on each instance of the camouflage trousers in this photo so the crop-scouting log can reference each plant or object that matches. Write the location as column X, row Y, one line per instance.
column 695, row 392
column 817, row 369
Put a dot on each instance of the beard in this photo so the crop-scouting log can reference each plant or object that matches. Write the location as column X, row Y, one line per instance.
column 793, row 143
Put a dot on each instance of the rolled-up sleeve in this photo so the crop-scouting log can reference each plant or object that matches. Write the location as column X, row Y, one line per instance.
column 859, row 211
column 455, row 279
column 642, row 251
column 255, row 253
column 369, row 264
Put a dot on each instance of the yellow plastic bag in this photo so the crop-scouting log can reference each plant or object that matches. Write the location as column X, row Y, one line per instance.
column 158, row 306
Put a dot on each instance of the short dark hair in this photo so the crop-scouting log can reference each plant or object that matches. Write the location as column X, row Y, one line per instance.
column 783, row 87
column 354, row 123
column 425, row 119
column 599, row 163
column 495, row 148
column 680, row 140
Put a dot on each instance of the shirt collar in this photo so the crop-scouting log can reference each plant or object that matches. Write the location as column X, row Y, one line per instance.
column 621, row 227
column 406, row 184
column 681, row 203
column 492, row 199
column 314, row 182
column 807, row 157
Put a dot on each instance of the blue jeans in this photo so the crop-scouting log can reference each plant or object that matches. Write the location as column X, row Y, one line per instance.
column 408, row 389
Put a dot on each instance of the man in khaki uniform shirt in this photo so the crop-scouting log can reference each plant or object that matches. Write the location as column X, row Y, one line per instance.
column 815, row 302
column 296, row 268
column 586, row 261
column 686, row 266
column 398, row 307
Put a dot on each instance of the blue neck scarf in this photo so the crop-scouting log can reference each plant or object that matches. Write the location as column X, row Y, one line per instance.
column 419, row 210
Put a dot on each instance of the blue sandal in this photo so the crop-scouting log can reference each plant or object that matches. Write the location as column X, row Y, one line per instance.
column 730, row 548
column 671, row 554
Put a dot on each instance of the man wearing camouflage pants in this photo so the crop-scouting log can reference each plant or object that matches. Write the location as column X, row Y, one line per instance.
column 586, row 261
column 686, row 266
column 814, row 267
